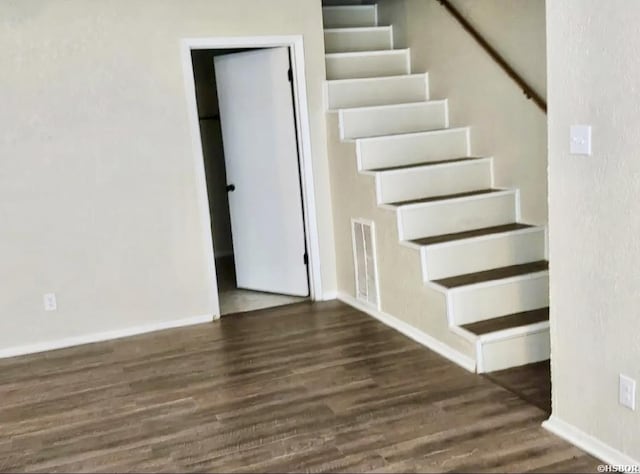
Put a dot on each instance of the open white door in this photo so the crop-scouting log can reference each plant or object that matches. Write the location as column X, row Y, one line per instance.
column 261, row 157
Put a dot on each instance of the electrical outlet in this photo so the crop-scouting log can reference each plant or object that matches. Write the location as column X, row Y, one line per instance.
column 50, row 303
column 627, row 392
column 580, row 140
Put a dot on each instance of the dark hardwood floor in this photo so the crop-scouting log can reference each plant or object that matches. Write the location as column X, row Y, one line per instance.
column 307, row 387
column 494, row 274
column 506, row 322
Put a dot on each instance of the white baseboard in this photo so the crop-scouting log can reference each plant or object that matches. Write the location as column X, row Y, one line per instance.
column 420, row 337
column 588, row 443
column 329, row 295
column 102, row 336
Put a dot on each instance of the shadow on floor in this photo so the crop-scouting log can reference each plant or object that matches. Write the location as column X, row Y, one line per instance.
column 531, row 383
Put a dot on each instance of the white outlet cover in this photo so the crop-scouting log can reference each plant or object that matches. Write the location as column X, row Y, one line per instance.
column 50, row 303
column 627, row 392
column 580, row 140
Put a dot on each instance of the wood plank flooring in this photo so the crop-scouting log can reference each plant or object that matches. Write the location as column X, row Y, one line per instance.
column 438, row 239
column 530, row 382
column 302, row 388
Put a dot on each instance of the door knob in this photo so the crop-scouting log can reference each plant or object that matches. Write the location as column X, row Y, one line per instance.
column 231, row 188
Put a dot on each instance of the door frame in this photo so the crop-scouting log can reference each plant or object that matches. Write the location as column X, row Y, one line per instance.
column 303, row 130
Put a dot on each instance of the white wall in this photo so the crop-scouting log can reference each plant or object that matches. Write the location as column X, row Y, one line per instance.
column 98, row 199
column 594, row 248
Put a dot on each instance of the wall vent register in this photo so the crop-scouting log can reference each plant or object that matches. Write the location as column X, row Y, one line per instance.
column 365, row 264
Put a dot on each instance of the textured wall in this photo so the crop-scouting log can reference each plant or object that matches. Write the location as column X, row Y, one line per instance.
column 594, row 248
column 516, row 29
column 504, row 123
column 402, row 291
column 98, row 198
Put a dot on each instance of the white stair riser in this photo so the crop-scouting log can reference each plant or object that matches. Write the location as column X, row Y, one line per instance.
column 362, row 65
column 513, row 352
column 476, row 255
column 360, row 39
column 349, row 16
column 407, row 118
column 377, row 91
column 460, row 215
column 480, row 302
column 327, row 3
column 400, row 150
column 437, row 180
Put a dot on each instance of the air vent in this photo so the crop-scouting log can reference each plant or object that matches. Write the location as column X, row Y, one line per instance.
column 365, row 264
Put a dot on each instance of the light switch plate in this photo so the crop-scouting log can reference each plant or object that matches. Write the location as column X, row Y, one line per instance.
column 50, row 303
column 627, row 392
column 580, row 140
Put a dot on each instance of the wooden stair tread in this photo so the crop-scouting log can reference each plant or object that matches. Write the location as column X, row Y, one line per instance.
column 508, row 322
column 428, row 163
column 495, row 274
column 438, row 239
column 478, row 192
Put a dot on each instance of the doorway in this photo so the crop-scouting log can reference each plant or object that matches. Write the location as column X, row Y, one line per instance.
column 262, row 243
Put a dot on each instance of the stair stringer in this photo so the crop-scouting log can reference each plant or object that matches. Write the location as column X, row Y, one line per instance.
column 403, row 293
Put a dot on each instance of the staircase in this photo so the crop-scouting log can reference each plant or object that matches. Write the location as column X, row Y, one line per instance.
column 491, row 268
